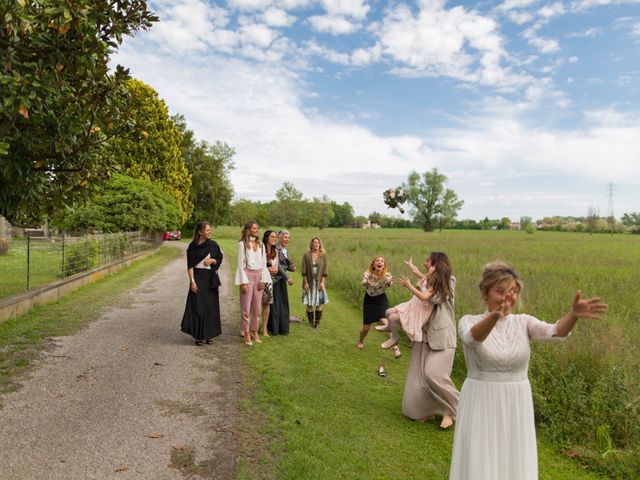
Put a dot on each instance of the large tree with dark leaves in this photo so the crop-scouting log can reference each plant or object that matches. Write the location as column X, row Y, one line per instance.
column 60, row 101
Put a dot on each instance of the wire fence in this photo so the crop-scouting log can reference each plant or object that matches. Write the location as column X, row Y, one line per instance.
column 35, row 261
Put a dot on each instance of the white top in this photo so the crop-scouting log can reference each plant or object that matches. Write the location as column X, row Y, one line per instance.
column 202, row 265
column 251, row 260
column 504, row 354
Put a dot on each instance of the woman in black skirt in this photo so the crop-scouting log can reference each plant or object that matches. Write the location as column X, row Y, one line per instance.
column 201, row 317
column 376, row 279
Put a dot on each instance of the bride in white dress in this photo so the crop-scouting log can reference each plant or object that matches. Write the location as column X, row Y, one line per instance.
column 495, row 437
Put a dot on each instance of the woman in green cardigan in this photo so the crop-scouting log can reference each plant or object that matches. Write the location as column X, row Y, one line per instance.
column 314, row 274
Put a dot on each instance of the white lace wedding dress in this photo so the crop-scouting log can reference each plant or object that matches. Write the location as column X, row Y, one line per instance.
column 495, row 437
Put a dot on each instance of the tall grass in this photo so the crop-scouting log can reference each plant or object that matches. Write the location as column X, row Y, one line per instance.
column 587, row 389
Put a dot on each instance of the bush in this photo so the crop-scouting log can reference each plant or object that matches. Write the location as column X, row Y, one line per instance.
column 81, row 256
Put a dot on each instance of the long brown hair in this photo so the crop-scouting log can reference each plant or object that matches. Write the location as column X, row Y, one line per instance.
column 440, row 280
column 270, row 249
column 200, row 226
column 321, row 249
column 244, row 236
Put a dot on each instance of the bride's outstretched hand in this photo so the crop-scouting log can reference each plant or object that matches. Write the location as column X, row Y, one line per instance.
column 589, row 308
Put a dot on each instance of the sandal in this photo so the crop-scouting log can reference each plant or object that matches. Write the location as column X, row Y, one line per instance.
column 209, row 342
column 198, row 343
column 381, row 371
column 396, row 352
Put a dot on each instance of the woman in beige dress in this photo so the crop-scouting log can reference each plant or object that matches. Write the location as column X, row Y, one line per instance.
column 428, row 319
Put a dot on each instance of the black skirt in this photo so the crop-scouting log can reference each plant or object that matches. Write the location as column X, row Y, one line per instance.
column 374, row 308
column 201, row 317
column 279, row 313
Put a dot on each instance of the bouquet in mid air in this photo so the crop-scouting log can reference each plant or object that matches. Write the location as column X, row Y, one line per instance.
column 394, row 197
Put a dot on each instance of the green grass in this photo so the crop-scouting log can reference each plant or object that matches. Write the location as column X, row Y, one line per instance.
column 23, row 338
column 328, row 413
column 46, row 266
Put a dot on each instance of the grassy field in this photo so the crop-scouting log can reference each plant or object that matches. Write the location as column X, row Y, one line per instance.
column 336, row 418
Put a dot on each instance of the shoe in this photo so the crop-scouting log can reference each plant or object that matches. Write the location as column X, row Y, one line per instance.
column 396, row 352
column 392, row 342
column 381, row 371
column 382, row 328
column 209, row 342
column 310, row 318
column 360, row 345
column 198, row 343
column 248, row 343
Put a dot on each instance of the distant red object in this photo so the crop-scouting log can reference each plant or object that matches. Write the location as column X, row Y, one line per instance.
column 175, row 235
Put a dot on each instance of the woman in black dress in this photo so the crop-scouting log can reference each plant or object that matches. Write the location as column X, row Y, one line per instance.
column 376, row 279
column 201, row 317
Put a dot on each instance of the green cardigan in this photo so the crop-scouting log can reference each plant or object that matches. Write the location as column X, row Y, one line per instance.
column 307, row 266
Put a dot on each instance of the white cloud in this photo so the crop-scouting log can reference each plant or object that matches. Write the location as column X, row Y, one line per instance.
column 440, row 42
column 276, row 17
column 544, row 45
column 635, row 30
column 257, row 35
column 250, row 5
column 589, row 32
column 509, row 5
column 520, row 17
column 332, row 24
column 357, row 9
column 552, row 10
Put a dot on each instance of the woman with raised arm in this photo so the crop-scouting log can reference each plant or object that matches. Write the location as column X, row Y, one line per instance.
column 251, row 275
column 375, row 279
column 428, row 320
column 495, row 437
column 201, row 317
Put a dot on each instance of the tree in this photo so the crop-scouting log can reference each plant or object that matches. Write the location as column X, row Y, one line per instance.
column 505, row 223
column 287, row 210
column 632, row 220
column 320, row 212
column 152, row 151
column 60, row 101
column 125, row 204
column 209, row 166
column 592, row 219
column 525, row 222
column 342, row 215
column 426, row 193
column 449, row 208
column 243, row 210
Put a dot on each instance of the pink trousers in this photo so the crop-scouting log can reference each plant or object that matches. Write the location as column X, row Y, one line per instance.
column 250, row 301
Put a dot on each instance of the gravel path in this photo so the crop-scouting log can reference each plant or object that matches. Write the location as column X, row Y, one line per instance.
column 130, row 397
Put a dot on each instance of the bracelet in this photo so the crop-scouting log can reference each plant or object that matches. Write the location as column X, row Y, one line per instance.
column 192, row 280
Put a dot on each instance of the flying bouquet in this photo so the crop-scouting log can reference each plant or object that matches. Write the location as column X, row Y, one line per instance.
column 394, row 197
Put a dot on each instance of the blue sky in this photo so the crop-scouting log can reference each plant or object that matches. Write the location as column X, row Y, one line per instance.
column 531, row 108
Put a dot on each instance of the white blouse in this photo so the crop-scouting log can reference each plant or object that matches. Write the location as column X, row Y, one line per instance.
column 251, row 260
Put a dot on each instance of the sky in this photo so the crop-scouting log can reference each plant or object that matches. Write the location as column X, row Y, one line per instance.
column 530, row 108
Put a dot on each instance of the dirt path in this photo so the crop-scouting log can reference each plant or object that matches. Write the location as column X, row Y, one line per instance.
column 130, row 397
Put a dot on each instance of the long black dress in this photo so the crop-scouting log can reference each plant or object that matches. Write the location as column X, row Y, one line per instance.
column 201, row 317
column 279, row 312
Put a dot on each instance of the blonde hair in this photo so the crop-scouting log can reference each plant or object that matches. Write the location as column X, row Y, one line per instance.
column 497, row 272
column 321, row 249
column 372, row 268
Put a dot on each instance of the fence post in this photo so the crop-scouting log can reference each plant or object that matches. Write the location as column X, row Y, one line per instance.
column 62, row 255
column 28, row 261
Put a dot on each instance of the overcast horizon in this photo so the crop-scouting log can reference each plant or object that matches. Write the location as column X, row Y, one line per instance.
column 530, row 108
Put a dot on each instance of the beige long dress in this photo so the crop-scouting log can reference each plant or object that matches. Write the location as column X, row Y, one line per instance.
column 429, row 390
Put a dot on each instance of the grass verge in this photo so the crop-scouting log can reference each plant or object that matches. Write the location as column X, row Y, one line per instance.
column 23, row 338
